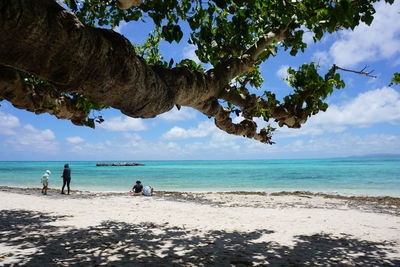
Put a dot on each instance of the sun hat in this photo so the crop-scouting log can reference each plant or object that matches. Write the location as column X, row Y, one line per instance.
column 49, row 172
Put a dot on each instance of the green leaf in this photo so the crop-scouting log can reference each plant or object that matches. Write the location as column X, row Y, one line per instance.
column 89, row 122
column 172, row 33
column 71, row 4
column 171, row 63
column 395, row 79
column 221, row 3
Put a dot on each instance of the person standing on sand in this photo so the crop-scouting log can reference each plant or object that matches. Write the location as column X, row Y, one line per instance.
column 66, row 178
column 45, row 182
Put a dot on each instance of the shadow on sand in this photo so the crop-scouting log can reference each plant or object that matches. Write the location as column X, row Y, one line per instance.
column 28, row 238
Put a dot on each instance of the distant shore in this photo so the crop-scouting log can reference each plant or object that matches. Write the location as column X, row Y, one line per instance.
column 118, row 164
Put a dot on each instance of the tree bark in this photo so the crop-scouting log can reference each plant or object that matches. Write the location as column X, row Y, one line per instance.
column 38, row 99
column 42, row 38
column 126, row 4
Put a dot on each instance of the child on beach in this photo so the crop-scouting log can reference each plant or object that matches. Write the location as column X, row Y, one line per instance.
column 45, row 182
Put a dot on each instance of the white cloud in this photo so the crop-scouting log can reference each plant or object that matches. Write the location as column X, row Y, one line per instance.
column 282, row 72
column 178, row 115
column 189, row 52
column 176, row 133
column 93, row 150
column 7, row 123
column 223, row 140
column 204, row 129
column 132, row 136
column 218, row 140
column 74, row 139
column 375, row 106
column 308, row 37
column 28, row 138
column 379, row 41
column 123, row 124
column 119, row 28
column 322, row 57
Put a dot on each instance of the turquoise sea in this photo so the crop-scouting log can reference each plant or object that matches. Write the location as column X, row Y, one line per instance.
column 350, row 176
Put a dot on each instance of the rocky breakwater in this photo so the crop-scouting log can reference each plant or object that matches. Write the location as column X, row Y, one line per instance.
column 120, row 164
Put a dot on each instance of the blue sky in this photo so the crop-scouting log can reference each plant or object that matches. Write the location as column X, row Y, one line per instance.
column 363, row 118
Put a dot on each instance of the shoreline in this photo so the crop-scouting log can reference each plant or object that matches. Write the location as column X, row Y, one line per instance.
column 339, row 195
column 197, row 229
column 384, row 204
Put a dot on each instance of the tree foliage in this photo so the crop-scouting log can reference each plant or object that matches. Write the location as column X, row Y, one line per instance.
column 233, row 37
column 395, row 79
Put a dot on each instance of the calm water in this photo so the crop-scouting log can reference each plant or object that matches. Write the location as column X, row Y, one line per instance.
column 365, row 176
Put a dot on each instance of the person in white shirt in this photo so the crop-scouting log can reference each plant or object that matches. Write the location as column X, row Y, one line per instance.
column 45, row 182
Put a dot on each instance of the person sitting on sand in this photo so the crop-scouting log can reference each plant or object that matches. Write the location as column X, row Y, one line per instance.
column 45, row 182
column 148, row 190
column 137, row 188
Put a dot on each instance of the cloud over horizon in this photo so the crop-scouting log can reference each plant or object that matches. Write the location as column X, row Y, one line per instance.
column 203, row 129
column 174, row 114
column 123, row 124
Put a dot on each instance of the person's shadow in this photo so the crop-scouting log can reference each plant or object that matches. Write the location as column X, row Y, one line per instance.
column 33, row 242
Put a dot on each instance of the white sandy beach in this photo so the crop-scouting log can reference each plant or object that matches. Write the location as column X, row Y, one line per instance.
column 197, row 229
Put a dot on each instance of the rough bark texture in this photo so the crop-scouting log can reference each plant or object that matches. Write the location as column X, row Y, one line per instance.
column 125, row 4
column 38, row 99
column 42, row 38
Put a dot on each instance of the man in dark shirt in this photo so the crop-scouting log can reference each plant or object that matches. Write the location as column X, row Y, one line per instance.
column 138, row 188
column 66, row 178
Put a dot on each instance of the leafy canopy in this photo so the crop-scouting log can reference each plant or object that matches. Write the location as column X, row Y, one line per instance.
column 225, row 29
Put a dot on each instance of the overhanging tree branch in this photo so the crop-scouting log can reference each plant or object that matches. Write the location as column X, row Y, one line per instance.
column 251, row 104
column 126, row 4
column 222, row 119
column 97, row 63
column 38, row 99
column 226, row 71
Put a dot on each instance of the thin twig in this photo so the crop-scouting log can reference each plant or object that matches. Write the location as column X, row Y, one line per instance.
column 362, row 72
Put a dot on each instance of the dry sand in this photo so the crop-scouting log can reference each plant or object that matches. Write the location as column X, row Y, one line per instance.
column 197, row 229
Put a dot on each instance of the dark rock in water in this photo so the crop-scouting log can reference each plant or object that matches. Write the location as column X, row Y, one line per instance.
column 120, row 164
